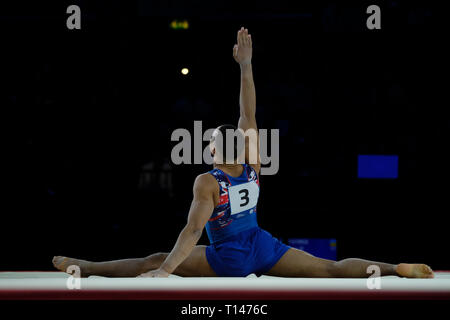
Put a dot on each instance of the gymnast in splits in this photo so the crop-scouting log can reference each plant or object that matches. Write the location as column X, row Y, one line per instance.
column 224, row 201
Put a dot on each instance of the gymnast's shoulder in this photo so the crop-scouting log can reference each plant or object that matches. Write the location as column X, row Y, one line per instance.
column 205, row 182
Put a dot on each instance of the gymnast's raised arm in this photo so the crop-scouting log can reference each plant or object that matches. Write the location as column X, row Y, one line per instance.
column 242, row 53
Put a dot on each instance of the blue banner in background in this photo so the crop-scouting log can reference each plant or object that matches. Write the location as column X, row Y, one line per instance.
column 377, row 166
column 322, row 248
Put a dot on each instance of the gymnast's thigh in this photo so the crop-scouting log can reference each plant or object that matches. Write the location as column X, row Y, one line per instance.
column 298, row 263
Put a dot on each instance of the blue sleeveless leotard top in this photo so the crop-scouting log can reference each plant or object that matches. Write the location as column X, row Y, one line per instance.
column 236, row 211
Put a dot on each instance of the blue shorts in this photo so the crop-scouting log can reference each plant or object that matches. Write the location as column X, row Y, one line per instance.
column 252, row 251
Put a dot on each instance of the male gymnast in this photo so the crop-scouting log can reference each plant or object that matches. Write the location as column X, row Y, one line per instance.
column 224, row 201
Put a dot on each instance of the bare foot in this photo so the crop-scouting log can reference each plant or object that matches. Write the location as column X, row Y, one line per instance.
column 414, row 270
column 62, row 263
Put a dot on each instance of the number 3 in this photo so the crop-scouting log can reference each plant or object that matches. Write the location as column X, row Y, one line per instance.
column 244, row 197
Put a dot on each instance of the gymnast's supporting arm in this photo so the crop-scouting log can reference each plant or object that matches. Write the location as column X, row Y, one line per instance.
column 242, row 53
column 199, row 213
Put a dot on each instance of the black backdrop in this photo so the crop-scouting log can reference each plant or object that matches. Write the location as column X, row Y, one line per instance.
column 90, row 112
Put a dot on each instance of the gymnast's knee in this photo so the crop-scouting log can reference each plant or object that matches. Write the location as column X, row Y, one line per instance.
column 154, row 261
column 334, row 269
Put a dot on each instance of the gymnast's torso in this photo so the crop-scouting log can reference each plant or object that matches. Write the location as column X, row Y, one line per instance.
column 236, row 209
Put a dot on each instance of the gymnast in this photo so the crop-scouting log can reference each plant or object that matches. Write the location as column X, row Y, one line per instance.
column 224, row 201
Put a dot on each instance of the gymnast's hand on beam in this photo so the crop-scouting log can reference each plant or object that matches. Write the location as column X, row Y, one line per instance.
column 242, row 51
column 158, row 273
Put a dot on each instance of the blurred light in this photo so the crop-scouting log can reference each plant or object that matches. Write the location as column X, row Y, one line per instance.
column 185, row 71
column 179, row 24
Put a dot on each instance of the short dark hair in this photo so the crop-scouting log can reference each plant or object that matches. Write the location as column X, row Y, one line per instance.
column 221, row 148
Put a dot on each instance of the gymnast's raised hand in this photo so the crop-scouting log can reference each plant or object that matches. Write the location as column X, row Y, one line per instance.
column 242, row 51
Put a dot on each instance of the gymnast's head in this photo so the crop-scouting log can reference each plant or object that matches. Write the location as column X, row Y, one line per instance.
column 227, row 145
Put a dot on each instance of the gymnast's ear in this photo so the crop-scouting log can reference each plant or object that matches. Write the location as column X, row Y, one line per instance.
column 212, row 147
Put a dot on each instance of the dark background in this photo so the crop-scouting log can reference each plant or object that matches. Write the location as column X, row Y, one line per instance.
column 90, row 112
